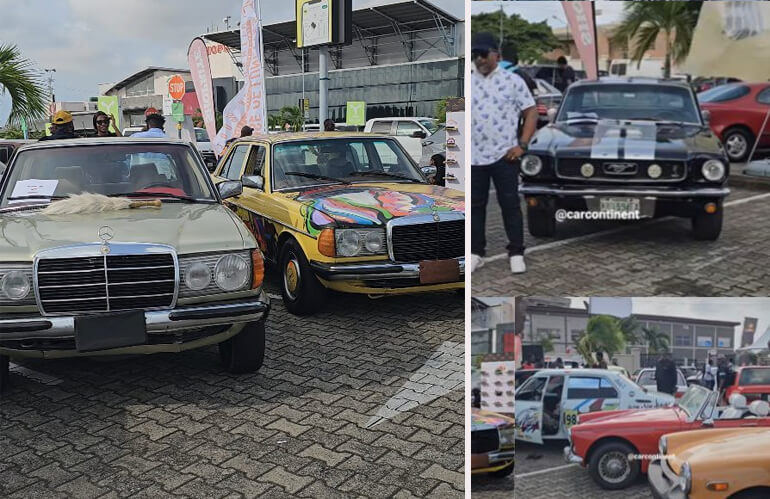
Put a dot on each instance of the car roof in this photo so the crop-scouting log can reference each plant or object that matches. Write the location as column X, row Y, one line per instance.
column 576, row 370
column 94, row 141
column 631, row 80
column 292, row 136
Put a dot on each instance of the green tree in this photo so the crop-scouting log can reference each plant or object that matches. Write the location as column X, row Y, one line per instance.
column 630, row 329
column 441, row 109
column 605, row 335
column 293, row 116
column 657, row 342
column 643, row 22
column 23, row 84
column 547, row 344
column 529, row 40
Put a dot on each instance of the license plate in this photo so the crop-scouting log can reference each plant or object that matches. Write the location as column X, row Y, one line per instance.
column 439, row 271
column 112, row 330
column 620, row 205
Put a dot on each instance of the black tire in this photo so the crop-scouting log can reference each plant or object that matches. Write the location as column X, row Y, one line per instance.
column 5, row 374
column 541, row 222
column 614, row 452
column 707, row 227
column 503, row 472
column 244, row 352
column 306, row 295
column 738, row 143
column 760, row 493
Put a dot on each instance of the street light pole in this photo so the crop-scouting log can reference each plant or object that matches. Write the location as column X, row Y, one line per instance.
column 50, row 72
column 323, row 84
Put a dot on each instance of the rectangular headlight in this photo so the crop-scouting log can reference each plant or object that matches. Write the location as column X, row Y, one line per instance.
column 360, row 242
column 507, row 436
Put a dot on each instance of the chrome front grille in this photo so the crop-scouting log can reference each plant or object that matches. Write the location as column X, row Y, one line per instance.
column 626, row 171
column 414, row 239
column 118, row 280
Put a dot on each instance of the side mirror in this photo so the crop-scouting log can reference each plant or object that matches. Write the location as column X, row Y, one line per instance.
column 551, row 113
column 706, row 116
column 230, row 188
column 419, row 134
column 708, row 422
column 253, row 181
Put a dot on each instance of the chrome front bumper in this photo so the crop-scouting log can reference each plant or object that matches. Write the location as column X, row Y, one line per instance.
column 664, row 483
column 169, row 322
column 544, row 190
column 374, row 270
column 501, row 456
column 571, row 457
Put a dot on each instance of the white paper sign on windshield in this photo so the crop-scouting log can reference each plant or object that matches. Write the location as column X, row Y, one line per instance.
column 25, row 190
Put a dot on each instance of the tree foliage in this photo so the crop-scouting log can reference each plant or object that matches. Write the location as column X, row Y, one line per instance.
column 643, row 22
column 657, row 342
column 529, row 40
column 29, row 100
column 605, row 335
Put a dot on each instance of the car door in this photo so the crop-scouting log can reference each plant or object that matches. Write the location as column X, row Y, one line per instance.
column 763, row 103
column 529, row 409
column 587, row 393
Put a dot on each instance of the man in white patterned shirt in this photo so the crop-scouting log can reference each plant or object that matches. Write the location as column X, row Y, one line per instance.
column 499, row 98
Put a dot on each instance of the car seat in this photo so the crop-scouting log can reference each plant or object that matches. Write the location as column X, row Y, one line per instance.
column 144, row 175
column 759, row 409
column 738, row 407
column 339, row 167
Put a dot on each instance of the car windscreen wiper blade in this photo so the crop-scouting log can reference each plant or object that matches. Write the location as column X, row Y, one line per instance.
column 158, row 195
column 384, row 174
column 53, row 198
column 317, row 177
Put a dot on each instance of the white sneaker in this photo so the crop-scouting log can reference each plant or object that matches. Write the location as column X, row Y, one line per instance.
column 476, row 262
column 517, row 264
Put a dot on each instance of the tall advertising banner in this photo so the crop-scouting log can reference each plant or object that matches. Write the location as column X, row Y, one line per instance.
column 249, row 107
column 749, row 328
column 581, row 22
column 729, row 38
column 198, row 59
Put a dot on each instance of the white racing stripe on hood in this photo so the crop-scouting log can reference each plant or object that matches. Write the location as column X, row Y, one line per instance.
column 638, row 143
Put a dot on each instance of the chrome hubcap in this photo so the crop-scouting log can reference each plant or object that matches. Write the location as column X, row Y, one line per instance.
column 736, row 145
column 614, row 467
column 291, row 277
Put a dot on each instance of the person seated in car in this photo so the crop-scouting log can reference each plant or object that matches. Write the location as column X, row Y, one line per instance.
column 61, row 127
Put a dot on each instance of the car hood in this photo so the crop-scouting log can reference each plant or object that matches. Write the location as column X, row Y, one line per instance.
column 718, row 446
column 485, row 420
column 190, row 228
column 616, row 139
column 374, row 204
column 633, row 418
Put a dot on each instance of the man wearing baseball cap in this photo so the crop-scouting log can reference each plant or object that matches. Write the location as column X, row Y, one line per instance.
column 155, row 122
column 499, row 99
column 61, row 126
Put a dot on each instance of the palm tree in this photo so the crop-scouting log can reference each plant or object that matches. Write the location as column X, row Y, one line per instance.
column 657, row 342
column 293, row 116
column 605, row 334
column 629, row 327
column 29, row 99
column 644, row 21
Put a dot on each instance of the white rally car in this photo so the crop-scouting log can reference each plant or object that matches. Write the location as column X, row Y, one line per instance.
column 549, row 402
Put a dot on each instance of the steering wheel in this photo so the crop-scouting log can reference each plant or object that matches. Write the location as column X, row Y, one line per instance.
column 157, row 184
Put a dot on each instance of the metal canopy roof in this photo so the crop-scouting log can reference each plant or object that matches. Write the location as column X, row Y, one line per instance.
column 370, row 22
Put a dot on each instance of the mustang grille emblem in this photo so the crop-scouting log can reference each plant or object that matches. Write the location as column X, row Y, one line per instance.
column 620, row 168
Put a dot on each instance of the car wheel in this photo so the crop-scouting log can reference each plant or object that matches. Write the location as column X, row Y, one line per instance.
column 610, row 467
column 760, row 493
column 5, row 375
column 737, row 142
column 541, row 222
column 302, row 293
column 503, row 472
column 707, row 227
column 244, row 352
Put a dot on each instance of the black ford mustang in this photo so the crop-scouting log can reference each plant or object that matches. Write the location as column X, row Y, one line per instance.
column 638, row 146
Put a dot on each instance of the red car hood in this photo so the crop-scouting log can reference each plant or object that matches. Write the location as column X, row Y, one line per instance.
column 752, row 389
column 630, row 417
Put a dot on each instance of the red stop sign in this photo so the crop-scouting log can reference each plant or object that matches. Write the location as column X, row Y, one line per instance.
column 176, row 87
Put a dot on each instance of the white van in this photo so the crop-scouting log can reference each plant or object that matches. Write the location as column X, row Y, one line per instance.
column 409, row 131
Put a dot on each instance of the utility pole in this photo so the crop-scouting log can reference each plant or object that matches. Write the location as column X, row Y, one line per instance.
column 323, row 84
column 50, row 72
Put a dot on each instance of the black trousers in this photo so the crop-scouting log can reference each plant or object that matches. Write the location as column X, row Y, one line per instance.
column 505, row 175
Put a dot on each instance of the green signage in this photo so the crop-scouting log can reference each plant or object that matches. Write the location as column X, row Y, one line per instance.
column 109, row 104
column 177, row 111
column 356, row 113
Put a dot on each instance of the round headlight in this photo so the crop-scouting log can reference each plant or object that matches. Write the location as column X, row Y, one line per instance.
column 587, row 170
column 348, row 243
column 197, row 276
column 531, row 165
column 231, row 273
column 373, row 242
column 713, row 170
column 686, row 478
column 15, row 285
column 654, row 171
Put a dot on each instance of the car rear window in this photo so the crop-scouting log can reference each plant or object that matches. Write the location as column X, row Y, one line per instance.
column 724, row 93
column 755, row 377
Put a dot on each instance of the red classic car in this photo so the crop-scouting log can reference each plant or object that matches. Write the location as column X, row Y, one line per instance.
column 737, row 112
column 616, row 446
column 753, row 382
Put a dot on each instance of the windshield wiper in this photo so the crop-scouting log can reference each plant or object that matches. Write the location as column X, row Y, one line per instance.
column 52, row 198
column 317, row 177
column 158, row 195
column 384, row 174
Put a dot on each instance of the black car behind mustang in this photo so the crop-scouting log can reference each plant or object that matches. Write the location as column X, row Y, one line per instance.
column 629, row 145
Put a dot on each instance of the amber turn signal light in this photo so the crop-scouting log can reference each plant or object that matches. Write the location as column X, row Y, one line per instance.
column 710, row 208
column 717, row 486
column 326, row 244
column 531, row 201
column 257, row 269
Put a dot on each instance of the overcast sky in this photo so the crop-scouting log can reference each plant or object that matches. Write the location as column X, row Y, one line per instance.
column 723, row 309
column 550, row 12
column 96, row 41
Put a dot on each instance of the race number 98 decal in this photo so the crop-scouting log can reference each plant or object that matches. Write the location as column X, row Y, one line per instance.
column 570, row 417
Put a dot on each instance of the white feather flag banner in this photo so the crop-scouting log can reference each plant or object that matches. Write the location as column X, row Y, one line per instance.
column 249, row 107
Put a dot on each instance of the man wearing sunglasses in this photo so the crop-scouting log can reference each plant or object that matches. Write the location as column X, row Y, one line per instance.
column 102, row 122
column 499, row 99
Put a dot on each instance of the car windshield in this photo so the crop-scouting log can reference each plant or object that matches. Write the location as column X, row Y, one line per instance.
column 648, row 378
column 693, row 399
column 723, row 93
column 201, row 135
column 297, row 164
column 629, row 102
column 147, row 169
column 755, row 376
column 430, row 125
